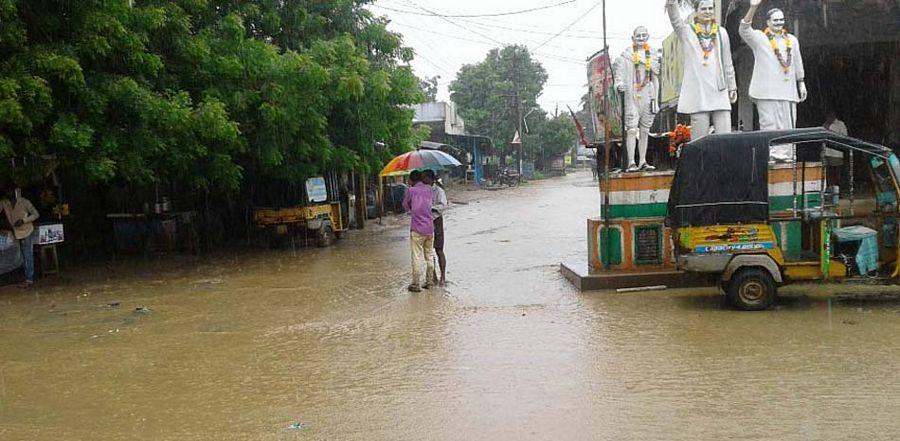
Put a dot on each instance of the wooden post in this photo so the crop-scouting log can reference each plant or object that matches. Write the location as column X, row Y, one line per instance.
column 360, row 200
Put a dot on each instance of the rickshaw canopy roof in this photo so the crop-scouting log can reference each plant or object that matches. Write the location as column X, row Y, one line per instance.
column 724, row 179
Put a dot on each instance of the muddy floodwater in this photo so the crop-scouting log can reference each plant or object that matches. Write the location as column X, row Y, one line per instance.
column 242, row 345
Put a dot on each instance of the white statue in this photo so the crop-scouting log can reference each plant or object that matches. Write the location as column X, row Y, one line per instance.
column 637, row 77
column 777, row 85
column 709, row 87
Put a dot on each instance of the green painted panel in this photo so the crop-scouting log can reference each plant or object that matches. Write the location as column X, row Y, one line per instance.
column 637, row 211
column 610, row 239
column 784, row 203
column 790, row 239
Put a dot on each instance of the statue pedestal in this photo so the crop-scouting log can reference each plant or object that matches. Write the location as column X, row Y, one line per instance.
column 638, row 250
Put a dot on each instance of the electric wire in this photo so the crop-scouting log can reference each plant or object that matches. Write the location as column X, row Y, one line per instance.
column 551, row 56
column 581, row 17
column 497, row 14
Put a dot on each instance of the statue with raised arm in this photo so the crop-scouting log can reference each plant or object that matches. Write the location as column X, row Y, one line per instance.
column 777, row 85
column 709, row 87
column 637, row 77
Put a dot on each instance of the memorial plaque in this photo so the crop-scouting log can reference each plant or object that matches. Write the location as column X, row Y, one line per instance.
column 648, row 244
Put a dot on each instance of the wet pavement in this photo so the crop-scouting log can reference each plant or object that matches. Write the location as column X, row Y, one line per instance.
column 246, row 346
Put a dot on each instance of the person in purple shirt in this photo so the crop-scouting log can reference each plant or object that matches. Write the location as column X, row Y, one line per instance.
column 421, row 228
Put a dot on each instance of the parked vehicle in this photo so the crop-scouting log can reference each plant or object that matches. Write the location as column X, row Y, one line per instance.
column 509, row 176
column 317, row 213
column 723, row 225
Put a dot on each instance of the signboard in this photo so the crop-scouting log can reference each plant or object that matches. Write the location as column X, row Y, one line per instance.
column 671, row 71
column 528, row 170
column 316, row 190
column 50, row 234
column 603, row 97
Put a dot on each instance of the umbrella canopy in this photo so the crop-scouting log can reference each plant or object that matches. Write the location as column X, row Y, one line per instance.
column 419, row 159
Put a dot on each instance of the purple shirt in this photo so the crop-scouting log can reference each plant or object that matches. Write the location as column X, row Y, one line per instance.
column 418, row 201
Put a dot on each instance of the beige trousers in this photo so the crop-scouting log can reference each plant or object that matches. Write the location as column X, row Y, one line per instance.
column 421, row 248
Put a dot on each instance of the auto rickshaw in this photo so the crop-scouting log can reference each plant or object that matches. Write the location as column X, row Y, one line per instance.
column 314, row 209
column 725, row 223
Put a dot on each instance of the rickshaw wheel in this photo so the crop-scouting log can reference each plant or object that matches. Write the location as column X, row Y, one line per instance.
column 751, row 289
column 324, row 236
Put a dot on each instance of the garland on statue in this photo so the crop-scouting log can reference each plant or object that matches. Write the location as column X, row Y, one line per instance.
column 648, row 65
column 785, row 64
column 707, row 39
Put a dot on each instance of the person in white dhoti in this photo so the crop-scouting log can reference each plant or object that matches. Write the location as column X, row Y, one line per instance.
column 709, row 86
column 636, row 76
column 777, row 84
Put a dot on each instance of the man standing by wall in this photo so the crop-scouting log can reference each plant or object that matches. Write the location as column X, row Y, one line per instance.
column 418, row 202
column 834, row 158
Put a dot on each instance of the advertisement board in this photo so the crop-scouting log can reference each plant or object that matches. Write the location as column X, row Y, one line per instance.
column 671, row 71
column 50, row 234
column 316, row 189
column 603, row 97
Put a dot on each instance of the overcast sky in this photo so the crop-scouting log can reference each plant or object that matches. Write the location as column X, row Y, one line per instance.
column 444, row 44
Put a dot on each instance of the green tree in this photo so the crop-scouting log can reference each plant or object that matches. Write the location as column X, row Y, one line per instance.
column 548, row 136
column 429, row 86
column 195, row 93
column 486, row 92
column 556, row 136
column 77, row 81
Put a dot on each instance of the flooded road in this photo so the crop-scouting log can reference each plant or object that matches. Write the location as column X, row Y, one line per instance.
column 240, row 347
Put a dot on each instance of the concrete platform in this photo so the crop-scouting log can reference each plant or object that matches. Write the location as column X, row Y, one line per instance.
column 577, row 273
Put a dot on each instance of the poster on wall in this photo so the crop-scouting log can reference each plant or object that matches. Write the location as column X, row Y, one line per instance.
column 50, row 234
column 602, row 94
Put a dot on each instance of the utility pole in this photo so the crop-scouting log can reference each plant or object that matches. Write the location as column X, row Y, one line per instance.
column 607, row 145
column 518, row 110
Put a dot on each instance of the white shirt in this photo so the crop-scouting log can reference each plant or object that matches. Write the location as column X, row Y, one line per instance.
column 840, row 128
column 438, row 201
column 769, row 81
column 704, row 87
column 23, row 210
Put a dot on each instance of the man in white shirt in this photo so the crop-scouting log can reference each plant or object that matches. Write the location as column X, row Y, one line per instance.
column 438, row 205
column 21, row 214
column 778, row 83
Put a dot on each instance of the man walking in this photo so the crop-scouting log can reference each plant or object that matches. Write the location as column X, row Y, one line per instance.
column 417, row 201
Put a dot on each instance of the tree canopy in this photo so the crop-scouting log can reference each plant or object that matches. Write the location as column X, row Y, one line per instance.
column 486, row 96
column 200, row 92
